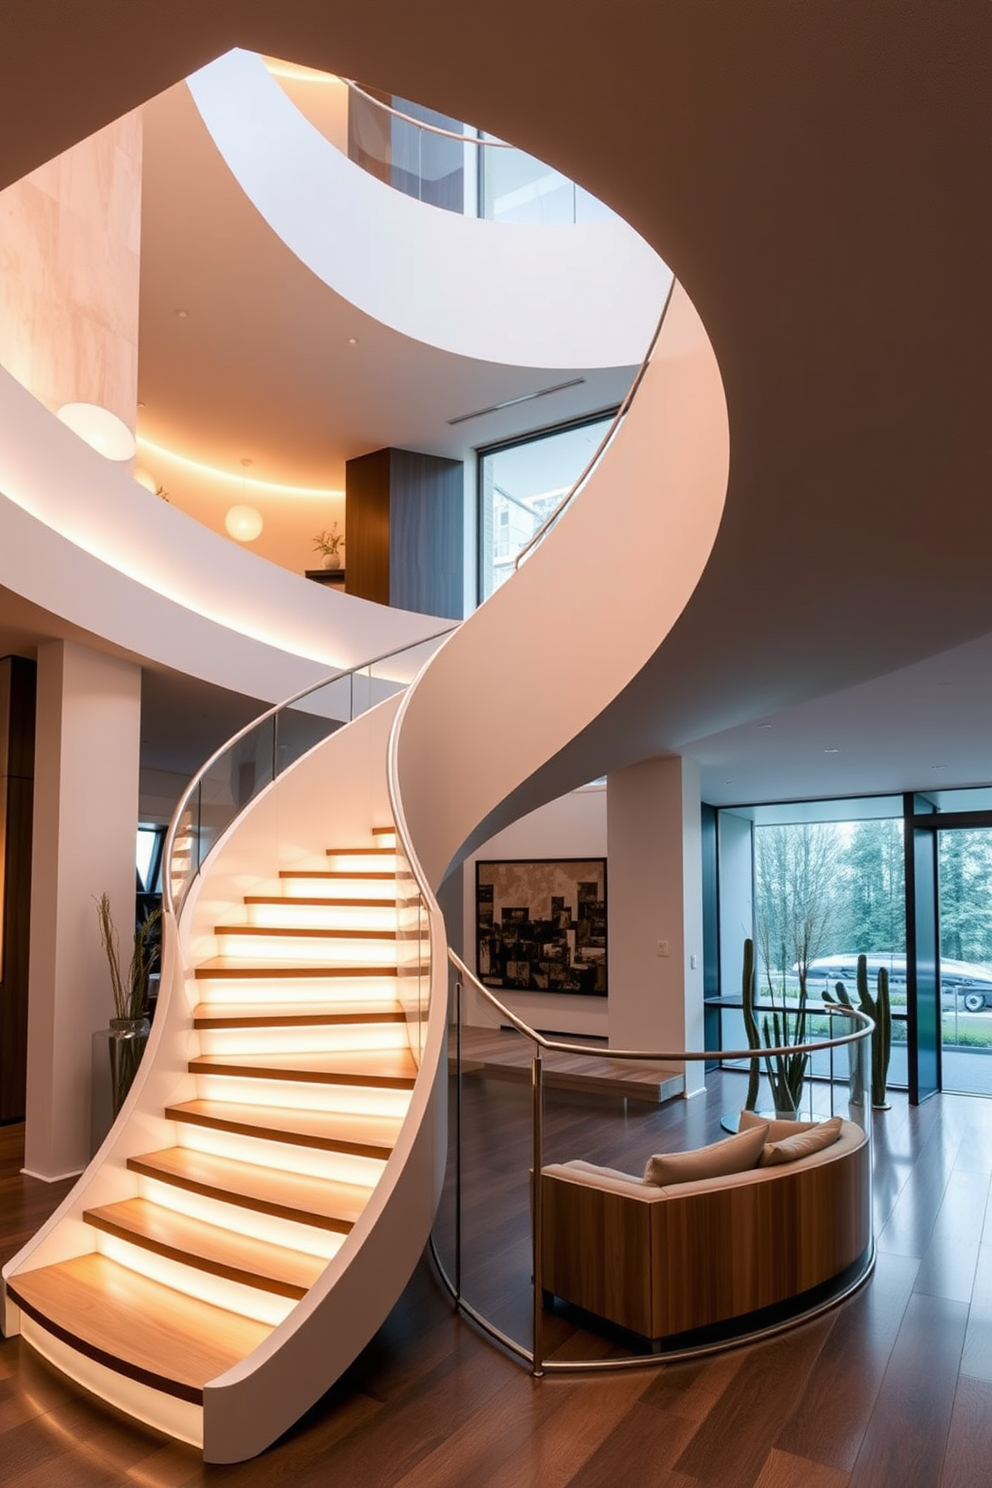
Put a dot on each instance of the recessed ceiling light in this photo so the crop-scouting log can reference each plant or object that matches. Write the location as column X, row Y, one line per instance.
column 182, row 314
column 352, row 340
column 938, row 767
column 831, row 751
column 764, row 725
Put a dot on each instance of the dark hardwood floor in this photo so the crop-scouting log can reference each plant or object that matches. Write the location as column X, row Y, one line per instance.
column 892, row 1389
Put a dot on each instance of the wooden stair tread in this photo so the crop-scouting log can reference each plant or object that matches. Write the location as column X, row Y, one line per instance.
column 295, row 1014
column 393, row 1069
column 360, row 1133
column 318, row 1201
column 144, row 1330
column 312, row 932
column 230, row 966
column 238, row 1257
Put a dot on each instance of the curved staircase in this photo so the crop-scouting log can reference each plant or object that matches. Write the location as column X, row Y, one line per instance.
column 271, row 1181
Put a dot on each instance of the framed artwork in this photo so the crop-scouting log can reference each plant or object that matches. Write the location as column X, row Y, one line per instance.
column 541, row 925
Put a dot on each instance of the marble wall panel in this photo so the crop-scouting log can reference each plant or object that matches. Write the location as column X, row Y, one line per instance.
column 70, row 240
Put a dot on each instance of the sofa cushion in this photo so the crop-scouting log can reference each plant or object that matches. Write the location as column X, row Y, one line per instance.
column 800, row 1144
column 732, row 1155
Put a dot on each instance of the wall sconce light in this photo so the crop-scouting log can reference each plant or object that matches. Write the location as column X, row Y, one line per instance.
column 101, row 429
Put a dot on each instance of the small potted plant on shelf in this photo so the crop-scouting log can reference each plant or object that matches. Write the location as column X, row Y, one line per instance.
column 330, row 545
column 129, row 1028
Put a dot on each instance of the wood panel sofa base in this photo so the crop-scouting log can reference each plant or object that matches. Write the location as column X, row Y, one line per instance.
column 668, row 1261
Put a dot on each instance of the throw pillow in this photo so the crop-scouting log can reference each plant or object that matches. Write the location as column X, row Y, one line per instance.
column 733, row 1155
column 790, row 1149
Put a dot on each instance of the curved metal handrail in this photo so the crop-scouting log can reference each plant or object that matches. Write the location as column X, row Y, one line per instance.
column 534, row 1356
column 168, row 902
column 647, row 1056
column 463, row 139
column 607, row 439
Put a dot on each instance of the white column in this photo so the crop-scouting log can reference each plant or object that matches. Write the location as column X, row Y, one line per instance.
column 654, row 893
column 85, row 815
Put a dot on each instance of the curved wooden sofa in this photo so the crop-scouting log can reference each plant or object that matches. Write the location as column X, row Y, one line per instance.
column 667, row 1261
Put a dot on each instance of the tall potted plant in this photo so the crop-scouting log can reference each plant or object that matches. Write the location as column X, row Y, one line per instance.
column 786, row 1072
column 129, row 1027
column 879, row 1010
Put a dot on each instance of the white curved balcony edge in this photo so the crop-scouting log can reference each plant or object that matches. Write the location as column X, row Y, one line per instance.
column 81, row 539
column 586, row 295
column 647, row 518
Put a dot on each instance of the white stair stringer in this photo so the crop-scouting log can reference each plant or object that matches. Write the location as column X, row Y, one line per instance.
column 579, row 620
column 437, row 766
column 316, row 1098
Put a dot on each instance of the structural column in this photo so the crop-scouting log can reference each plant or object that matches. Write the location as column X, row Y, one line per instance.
column 405, row 520
column 85, row 819
column 655, row 909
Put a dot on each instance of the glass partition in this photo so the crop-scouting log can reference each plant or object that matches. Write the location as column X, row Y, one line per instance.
column 250, row 761
column 557, row 1272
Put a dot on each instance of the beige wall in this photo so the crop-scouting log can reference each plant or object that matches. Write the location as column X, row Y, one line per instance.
column 69, row 265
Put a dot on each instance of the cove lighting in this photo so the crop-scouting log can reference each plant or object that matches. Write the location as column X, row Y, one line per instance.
column 228, row 475
column 243, row 523
column 101, row 429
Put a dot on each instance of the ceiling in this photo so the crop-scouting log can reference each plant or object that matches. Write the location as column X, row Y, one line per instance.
column 262, row 363
column 817, row 177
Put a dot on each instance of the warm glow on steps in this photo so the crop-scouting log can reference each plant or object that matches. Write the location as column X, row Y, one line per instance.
column 303, row 1076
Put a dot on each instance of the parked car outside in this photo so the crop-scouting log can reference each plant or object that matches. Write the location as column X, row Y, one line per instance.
column 965, row 982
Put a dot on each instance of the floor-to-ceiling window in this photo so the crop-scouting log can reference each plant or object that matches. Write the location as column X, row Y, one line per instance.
column 815, row 884
column 520, row 484
column 964, row 900
column 907, row 881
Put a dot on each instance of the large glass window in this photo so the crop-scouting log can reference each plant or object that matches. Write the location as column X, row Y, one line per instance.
column 520, row 484
column 964, row 867
column 820, row 883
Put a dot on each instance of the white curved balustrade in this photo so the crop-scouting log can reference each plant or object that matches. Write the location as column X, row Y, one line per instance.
column 584, row 295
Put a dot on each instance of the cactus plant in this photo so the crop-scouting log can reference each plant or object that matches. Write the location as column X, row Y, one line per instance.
column 786, row 1072
column 750, row 1025
column 841, row 996
column 879, row 1010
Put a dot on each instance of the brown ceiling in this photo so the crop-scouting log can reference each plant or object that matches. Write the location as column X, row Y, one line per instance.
column 816, row 175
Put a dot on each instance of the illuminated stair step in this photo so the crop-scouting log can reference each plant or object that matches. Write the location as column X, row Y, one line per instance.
column 305, row 911
column 295, row 1014
column 376, row 948
column 225, row 1253
column 322, row 1202
column 258, row 992
column 305, row 932
column 360, row 852
column 357, row 1133
column 388, row 1069
column 222, row 967
column 140, row 1328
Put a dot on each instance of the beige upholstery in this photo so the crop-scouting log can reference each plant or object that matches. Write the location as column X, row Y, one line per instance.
column 666, row 1260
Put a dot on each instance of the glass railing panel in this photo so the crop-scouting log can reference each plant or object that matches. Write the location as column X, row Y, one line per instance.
column 488, row 1235
column 236, row 774
column 413, row 954
column 515, row 187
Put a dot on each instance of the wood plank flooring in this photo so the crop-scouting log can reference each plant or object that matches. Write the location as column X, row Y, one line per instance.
column 893, row 1389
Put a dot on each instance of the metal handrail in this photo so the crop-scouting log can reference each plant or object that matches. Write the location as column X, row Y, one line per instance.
column 534, row 1356
column 604, row 443
column 168, row 903
column 556, row 1046
column 464, row 139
